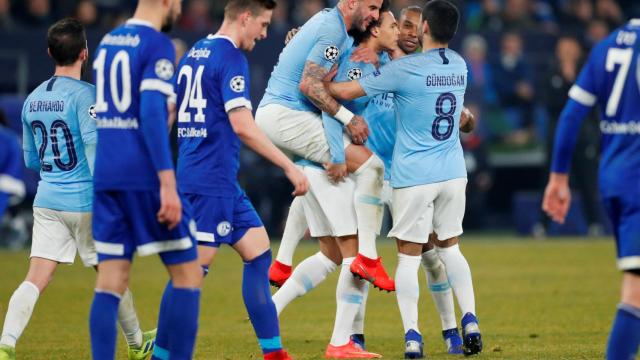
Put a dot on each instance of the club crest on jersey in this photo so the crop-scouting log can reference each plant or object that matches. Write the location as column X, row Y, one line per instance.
column 92, row 112
column 331, row 53
column 224, row 228
column 354, row 74
column 237, row 84
column 164, row 69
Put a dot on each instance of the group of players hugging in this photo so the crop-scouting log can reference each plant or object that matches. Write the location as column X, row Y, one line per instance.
column 372, row 105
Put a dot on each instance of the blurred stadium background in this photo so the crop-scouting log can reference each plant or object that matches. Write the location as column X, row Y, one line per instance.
column 523, row 55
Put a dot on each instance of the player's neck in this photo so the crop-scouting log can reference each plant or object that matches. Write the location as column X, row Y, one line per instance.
column 373, row 45
column 342, row 8
column 230, row 30
column 73, row 71
column 429, row 44
column 143, row 12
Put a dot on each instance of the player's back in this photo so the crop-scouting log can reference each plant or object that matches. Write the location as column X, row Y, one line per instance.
column 321, row 39
column 212, row 80
column 611, row 78
column 132, row 58
column 59, row 126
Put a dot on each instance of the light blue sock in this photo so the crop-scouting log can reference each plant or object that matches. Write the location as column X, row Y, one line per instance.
column 102, row 325
column 625, row 335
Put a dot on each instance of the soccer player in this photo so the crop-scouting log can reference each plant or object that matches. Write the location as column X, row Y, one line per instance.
column 59, row 140
column 11, row 184
column 290, row 111
column 609, row 79
column 136, row 203
column 428, row 173
column 214, row 117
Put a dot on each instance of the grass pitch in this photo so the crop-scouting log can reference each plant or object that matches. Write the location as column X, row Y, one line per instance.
column 551, row 299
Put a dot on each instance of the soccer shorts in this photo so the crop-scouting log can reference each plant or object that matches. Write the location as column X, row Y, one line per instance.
column 300, row 132
column 624, row 212
column 329, row 207
column 59, row 235
column 125, row 222
column 223, row 219
column 419, row 210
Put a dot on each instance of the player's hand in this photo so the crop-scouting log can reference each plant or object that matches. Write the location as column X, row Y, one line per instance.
column 358, row 130
column 336, row 172
column 365, row 55
column 170, row 212
column 290, row 35
column 298, row 179
column 331, row 74
column 467, row 121
column 557, row 197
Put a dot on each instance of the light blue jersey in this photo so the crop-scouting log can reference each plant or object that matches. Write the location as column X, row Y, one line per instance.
column 322, row 40
column 58, row 124
column 428, row 93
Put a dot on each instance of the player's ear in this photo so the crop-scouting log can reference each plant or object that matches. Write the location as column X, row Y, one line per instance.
column 244, row 17
column 49, row 53
column 375, row 31
column 425, row 27
column 84, row 54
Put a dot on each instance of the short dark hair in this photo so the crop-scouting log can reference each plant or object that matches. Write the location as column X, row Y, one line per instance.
column 442, row 17
column 235, row 7
column 66, row 39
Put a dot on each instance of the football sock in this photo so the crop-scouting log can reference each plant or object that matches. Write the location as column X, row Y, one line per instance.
column 260, row 306
column 128, row 320
column 440, row 289
column 358, row 322
column 183, row 322
column 349, row 297
column 161, row 347
column 102, row 324
column 408, row 290
column 459, row 275
column 19, row 312
column 294, row 230
column 625, row 334
column 369, row 210
column 305, row 277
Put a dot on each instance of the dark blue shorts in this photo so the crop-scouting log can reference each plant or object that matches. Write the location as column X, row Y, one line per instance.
column 125, row 222
column 624, row 212
column 222, row 220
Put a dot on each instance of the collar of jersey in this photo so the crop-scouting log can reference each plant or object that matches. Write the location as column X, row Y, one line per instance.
column 214, row 36
column 134, row 21
column 344, row 25
column 634, row 22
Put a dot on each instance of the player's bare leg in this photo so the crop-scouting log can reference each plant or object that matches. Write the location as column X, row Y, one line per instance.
column 368, row 171
column 255, row 251
column 294, row 231
column 438, row 284
column 407, row 293
column 459, row 275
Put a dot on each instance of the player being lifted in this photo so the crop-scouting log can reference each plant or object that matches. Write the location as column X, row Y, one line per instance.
column 289, row 114
column 426, row 86
column 609, row 79
column 136, row 203
column 214, row 117
column 59, row 141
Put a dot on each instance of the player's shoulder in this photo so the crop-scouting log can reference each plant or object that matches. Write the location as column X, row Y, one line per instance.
column 329, row 23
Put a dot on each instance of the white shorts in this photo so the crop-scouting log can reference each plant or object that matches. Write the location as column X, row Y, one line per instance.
column 300, row 132
column 329, row 207
column 58, row 235
column 420, row 210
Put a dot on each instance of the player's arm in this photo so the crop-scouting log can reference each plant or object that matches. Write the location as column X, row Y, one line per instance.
column 85, row 114
column 245, row 127
column 557, row 196
column 348, row 90
column 31, row 159
column 337, row 169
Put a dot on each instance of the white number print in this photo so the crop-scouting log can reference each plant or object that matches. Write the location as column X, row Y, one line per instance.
column 193, row 94
column 120, row 62
column 621, row 57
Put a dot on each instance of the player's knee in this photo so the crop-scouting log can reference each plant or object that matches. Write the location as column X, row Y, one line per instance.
column 186, row 275
column 631, row 288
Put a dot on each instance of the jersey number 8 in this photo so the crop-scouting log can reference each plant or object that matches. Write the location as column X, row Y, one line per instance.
column 445, row 117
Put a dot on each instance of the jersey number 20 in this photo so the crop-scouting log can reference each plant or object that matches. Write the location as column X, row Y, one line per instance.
column 68, row 137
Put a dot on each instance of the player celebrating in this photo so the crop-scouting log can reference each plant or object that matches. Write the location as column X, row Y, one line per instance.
column 136, row 205
column 214, row 116
column 606, row 79
column 289, row 114
column 61, row 109
column 429, row 85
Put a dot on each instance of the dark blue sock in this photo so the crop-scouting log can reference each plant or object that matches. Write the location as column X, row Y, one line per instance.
column 102, row 325
column 625, row 335
column 161, row 347
column 260, row 306
column 183, row 322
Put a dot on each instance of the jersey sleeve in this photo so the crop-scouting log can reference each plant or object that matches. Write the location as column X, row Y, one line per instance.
column 159, row 69
column 85, row 111
column 584, row 89
column 31, row 159
column 384, row 80
column 326, row 50
column 234, row 82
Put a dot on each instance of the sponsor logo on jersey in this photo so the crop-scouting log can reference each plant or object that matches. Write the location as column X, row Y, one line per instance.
column 199, row 53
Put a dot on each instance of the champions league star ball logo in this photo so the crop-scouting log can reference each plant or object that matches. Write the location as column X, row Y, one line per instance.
column 354, row 74
column 164, row 69
column 331, row 53
column 237, row 84
column 92, row 112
